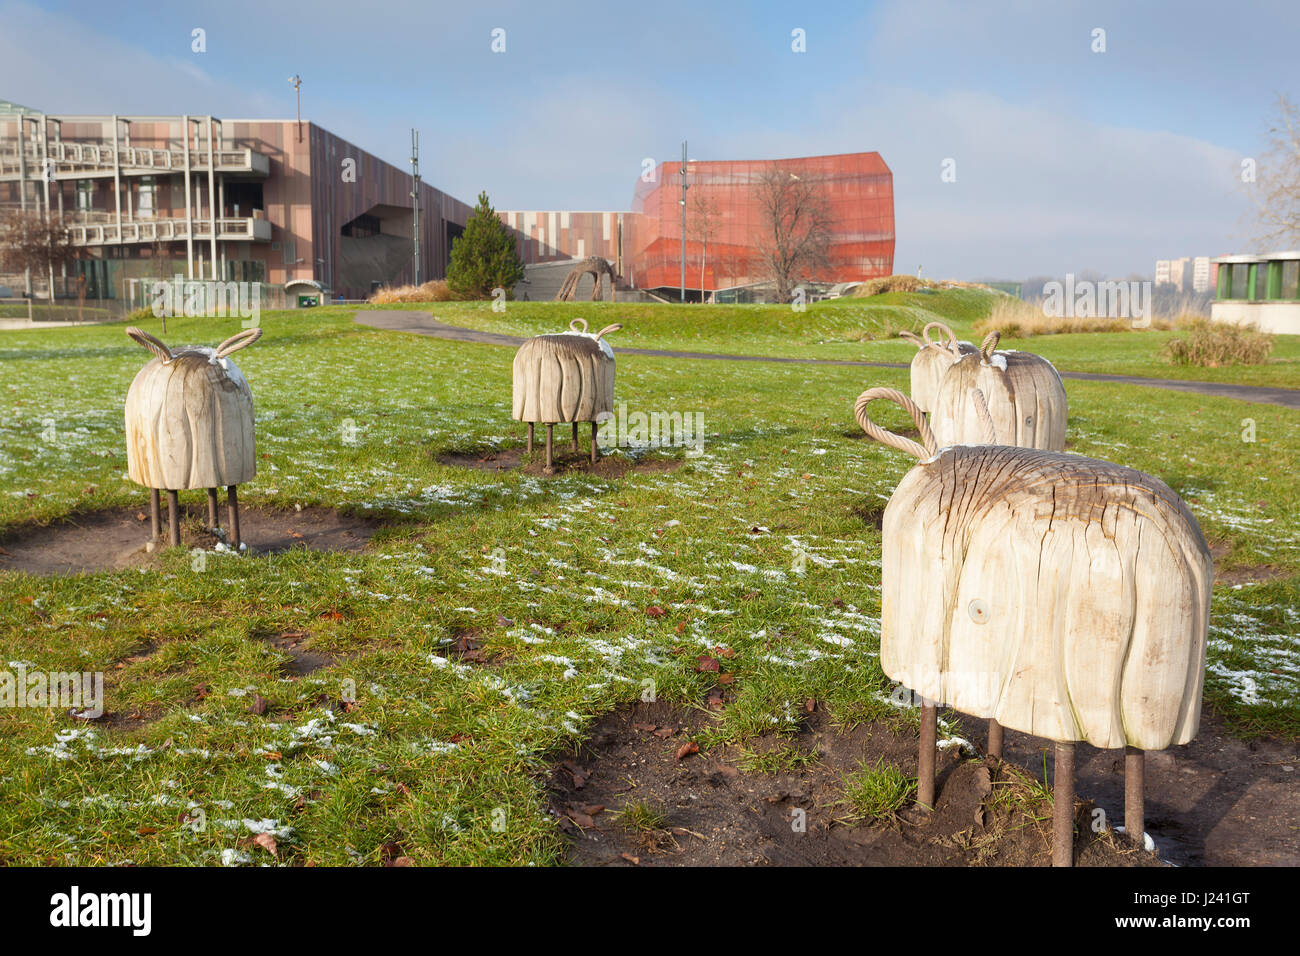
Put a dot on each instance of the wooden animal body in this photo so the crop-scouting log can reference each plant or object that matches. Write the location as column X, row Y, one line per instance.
column 1059, row 595
column 1002, row 398
column 931, row 360
column 189, row 417
column 565, row 376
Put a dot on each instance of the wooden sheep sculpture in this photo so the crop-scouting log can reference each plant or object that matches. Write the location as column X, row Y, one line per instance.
column 189, row 424
column 1062, row 596
column 1020, row 392
column 564, row 377
column 931, row 360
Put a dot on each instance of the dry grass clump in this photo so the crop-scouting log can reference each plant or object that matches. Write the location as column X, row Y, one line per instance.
column 1212, row 344
column 1016, row 318
column 909, row 283
column 436, row 290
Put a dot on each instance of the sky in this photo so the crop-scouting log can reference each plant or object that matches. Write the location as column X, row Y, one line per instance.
column 1066, row 159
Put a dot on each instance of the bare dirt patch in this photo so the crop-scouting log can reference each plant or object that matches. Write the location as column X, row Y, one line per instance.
column 118, row 538
column 565, row 460
column 1221, row 550
column 713, row 812
column 302, row 661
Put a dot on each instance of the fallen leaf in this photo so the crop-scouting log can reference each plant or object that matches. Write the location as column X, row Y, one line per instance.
column 726, row 678
column 267, row 842
column 258, row 706
column 634, row 860
column 665, row 732
column 705, row 664
column 686, row 749
column 654, row 610
column 648, row 728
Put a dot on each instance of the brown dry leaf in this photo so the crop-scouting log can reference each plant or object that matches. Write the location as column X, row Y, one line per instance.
column 258, row 706
column 686, row 749
column 705, row 664
column 648, row 728
column 267, row 842
column 331, row 615
column 810, row 705
column 273, row 755
column 403, row 861
column 726, row 678
column 654, row 610
column 727, row 652
column 146, row 831
column 634, row 860
column 665, row 732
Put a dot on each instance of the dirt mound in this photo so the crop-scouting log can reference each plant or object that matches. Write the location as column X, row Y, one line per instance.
column 566, row 462
column 119, row 537
column 626, row 798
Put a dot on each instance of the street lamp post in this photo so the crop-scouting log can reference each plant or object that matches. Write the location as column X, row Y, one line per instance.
column 296, row 82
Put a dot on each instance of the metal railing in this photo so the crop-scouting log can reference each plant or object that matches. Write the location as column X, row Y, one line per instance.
column 107, row 232
column 131, row 159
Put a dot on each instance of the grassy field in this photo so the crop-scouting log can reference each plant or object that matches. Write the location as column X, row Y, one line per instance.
column 859, row 329
column 581, row 589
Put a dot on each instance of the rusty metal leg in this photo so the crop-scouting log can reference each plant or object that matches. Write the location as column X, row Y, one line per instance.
column 155, row 513
column 212, row 507
column 173, row 518
column 574, row 446
column 530, row 438
column 995, row 740
column 595, row 455
column 550, row 441
column 1134, row 804
column 1063, row 806
column 925, row 760
column 232, row 517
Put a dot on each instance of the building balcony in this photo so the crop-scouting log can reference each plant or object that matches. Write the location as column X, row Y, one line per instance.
column 102, row 229
column 75, row 160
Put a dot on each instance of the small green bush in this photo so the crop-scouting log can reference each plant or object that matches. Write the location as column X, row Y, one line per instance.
column 878, row 791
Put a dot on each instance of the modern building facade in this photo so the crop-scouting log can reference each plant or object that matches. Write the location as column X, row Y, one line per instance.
column 1263, row 289
column 726, row 224
column 270, row 201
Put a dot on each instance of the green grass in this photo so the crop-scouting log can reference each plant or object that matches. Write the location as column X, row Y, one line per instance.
column 878, row 791
column 443, row 759
column 861, row 329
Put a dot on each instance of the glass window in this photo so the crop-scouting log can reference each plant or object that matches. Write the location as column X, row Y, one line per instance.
column 145, row 207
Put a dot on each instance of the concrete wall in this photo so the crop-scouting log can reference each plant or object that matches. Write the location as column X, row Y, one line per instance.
column 1280, row 317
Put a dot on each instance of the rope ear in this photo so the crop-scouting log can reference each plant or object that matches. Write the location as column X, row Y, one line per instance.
column 239, row 341
column 952, row 339
column 985, row 416
column 573, row 326
column 886, row 437
column 913, row 338
column 609, row 328
column 152, row 344
column 989, row 344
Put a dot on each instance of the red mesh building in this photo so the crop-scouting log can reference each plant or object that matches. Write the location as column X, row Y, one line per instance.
column 723, row 199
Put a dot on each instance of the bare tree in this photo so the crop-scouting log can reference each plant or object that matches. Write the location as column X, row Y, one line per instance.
column 33, row 242
column 797, row 228
column 704, row 226
column 1276, row 189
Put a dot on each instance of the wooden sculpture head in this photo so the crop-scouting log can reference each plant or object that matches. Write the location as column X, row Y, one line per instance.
column 1020, row 393
column 189, row 416
column 933, row 357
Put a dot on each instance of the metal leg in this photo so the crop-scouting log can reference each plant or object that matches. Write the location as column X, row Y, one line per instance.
column 1134, row 808
column 212, row 508
column 925, row 760
column 995, row 740
column 550, row 441
column 530, row 438
column 574, row 446
column 155, row 513
column 595, row 455
column 232, row 517
column 173, row 518
column 1063, row 806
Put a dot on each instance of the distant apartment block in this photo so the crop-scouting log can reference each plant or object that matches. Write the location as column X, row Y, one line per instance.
column 270, row 201
column 1196, row 274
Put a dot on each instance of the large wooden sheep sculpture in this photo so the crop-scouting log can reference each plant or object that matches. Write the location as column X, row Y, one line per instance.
column 931, row 360
column 1021, row 393
column 189, row 424
column 564, row 377
column 1060, row 595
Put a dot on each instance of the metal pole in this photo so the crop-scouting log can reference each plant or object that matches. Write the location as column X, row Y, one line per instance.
column 1134, row 808
column 684, row 188
column 925, row 760
column 173, row 518
column 995, row 740
column 155, row 513
column 232, row 517
column 189, row 208
column 1063, row 806
column 550, row 438
column 415, row 195
column 212, row 200
column 212, row 507
column 594, row 454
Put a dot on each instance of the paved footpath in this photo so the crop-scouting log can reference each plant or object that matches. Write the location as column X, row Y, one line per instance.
column 422, row 323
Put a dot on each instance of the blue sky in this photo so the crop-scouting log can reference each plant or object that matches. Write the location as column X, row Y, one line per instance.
column 1066, row 159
